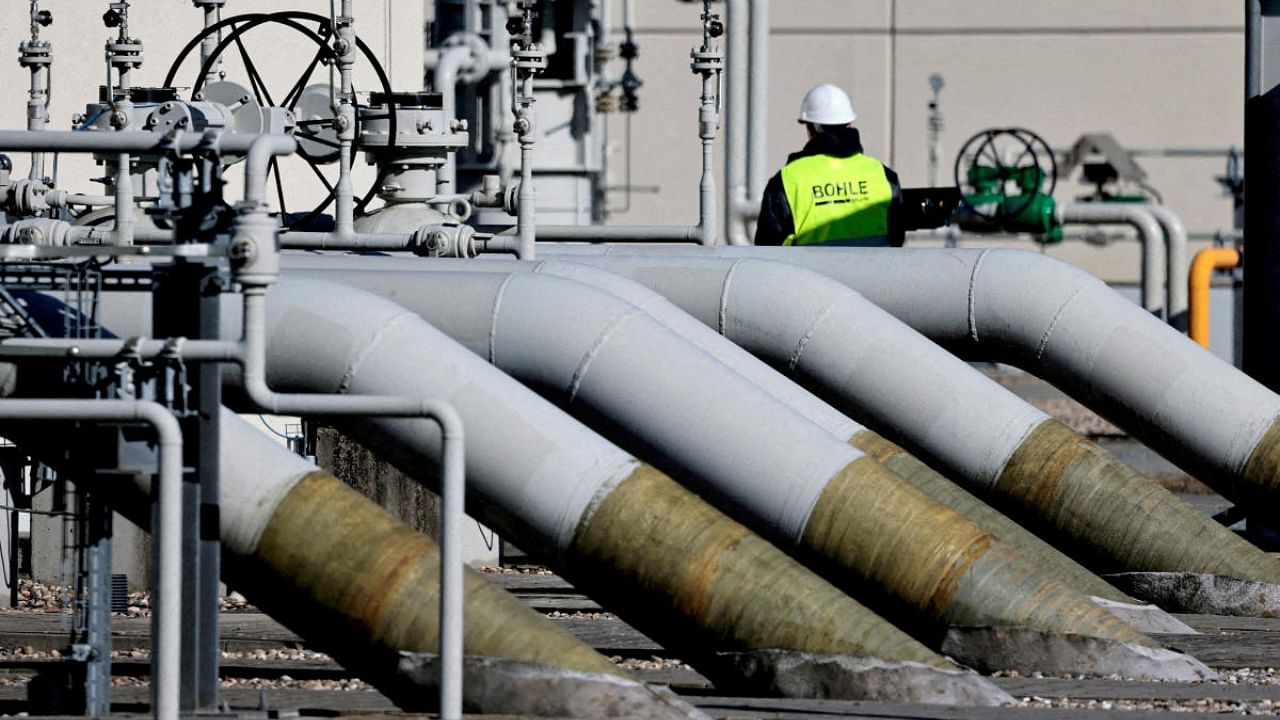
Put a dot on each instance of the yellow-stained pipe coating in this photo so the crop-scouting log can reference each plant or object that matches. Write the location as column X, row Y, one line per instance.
column 337, row 568
column 1117, row 520
column 875, row 535
column 653, row 543
column 931, row 483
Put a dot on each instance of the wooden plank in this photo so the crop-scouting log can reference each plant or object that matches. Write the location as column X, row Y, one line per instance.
column 611, row 637
column 518, row 583
column 1230, row 623
column 1244, row 650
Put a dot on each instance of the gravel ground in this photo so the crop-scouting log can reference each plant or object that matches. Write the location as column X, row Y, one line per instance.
column 1263, row 707
column 521, row 570
column 40, row 598
column 1238, row 676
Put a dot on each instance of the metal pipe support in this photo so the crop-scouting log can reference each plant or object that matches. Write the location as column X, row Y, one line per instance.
column 166, row 653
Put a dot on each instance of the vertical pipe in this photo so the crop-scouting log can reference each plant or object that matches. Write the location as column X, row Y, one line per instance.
column 124, row 201
column 445, row 81
column 167, row 621
column 345, row 44
column 1150, row 235
column 526, row 218
column 1175, row 243
column 757, row 171
column 453, row 489
column 1198, row 282
column 209, row 45
column 735, row 129
column 1252, row 48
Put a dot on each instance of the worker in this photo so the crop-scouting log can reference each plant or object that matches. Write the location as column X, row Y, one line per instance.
column 831, row 192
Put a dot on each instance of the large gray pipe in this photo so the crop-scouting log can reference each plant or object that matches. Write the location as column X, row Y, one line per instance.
column 871, row 366
column 667, row 561
column 1067, row 326
column 762, row 376
column 610, row 363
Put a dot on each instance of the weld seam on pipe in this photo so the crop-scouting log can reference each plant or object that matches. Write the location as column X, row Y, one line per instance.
column 757, row 321
column 935, row 590
column 493, row 322
column 1053, row 324
column 732, row 594
column 724, row 298
column 794, row 360
column 353, row 365
column 973, row 295
column 580, row 372
column 1092, row 356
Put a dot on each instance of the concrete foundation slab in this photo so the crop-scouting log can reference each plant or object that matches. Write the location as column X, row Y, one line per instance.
column 1202, row 593
column 503, row 687
column 993, row 649
column 809, row 675
column 1145, row 618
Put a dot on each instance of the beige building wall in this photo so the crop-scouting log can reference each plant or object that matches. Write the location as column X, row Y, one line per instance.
column 1156, row 73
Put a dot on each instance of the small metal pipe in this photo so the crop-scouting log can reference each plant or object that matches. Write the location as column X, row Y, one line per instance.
column 758, row 113
column 1198, row 282
column 526, row 217
column 166, row 659
column 1138, row 217
column 735, row 129
column 1175, row 243
column 209, row 45
column 258, row 234
column 617, row 233
column 445, row 81
column 124, row 215
column 1252, row 48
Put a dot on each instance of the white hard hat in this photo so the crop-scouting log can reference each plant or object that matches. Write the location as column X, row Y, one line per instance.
column 827, row 105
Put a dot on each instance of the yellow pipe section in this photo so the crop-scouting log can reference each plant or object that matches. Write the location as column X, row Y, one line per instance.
column 1198, row 280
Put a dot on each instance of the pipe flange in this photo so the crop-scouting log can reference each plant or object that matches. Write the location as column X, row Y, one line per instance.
column 35, row 54
column 479, row 66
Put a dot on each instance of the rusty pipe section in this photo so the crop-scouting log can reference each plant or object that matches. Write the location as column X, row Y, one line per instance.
column 687, row 575
column 928, row 564
column 1067, row 326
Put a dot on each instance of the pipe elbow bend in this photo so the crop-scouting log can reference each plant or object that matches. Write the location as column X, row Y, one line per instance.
column 1018, row 298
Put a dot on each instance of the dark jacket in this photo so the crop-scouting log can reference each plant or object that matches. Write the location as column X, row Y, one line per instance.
column 776, row 224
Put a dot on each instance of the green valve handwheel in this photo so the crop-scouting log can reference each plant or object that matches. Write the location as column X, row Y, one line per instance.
column 1006, row 177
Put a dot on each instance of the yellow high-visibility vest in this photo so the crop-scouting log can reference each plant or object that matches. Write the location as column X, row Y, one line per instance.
column 836, row 199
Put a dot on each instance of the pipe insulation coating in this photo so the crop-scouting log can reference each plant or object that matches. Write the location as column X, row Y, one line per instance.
column 597, row 365
column 1066, row 326
column 757, row 372
column 851, row 353
column 542, row 478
